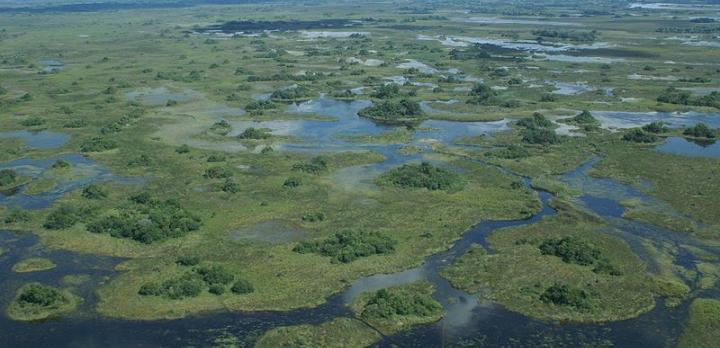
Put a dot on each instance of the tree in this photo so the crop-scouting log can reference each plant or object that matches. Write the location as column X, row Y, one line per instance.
column 700, row 130
column 481, row 94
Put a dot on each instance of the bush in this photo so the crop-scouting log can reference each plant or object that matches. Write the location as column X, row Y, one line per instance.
column 17, row 215
column 94, row 191
column 565, row 295
column 571, row 250
column 188, row 261
column 255, row 134
column 215, row 275
column 242, row 286
column 38, row 295
column 393, row 112
column 33, row 121
column 538, row 120
column 297, row 92
column 75, row 124
column 259, row 105
column 387, row 304
column 7, row 177
column 482, row 94
column 423, row 175
column 216, row 158
column 640, row 136
column 349, row 245
column 313, row 217
column 217, row 173
column 700, row 130
column 98, row 144
column 387, row 91
column 292, row 182
column 216, row 289
column 184, row 148
column 221, row 127
column 656, row 127
column 585, row 118
column 510, row 152
column 148, row 222
column 673, row 95
column 540, row 136
column 230, row 186
column 141, row 161
column 317, row 165
column 60, row 164
column 64, row 217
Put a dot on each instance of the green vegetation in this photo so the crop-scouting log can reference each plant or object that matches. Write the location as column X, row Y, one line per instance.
column 482, row 94
column 392, row 112
column 94, row 191
column 191, row 284
column 338, row 333
column 638, row 135
column 65, row 216
column 7, row 177
column 540, row 136
column 349, row 245
column 703, row 324
column 34, row 264
column 396, row 309
column 35, row 301
column 255, row 134
column 298, row 92
column 537, row 120
column 98, row 144
column 316, row 166
column 147, row 221
column 574, row 250
column 423, row 175
column 700, row 130
column 565, row 295
column 656, row 127
column 585, row 119
column 221, row 127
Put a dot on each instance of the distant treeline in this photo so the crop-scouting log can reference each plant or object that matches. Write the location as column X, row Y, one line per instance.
column 690, row 30
column 115, row 6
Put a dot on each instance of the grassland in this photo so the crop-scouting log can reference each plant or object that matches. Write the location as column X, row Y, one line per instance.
column 701, row 327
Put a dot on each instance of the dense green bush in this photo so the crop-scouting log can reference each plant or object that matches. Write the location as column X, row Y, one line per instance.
column 65, row 216
column 537, row 120
column 292, row 182
column 94, row 191
column 242, row 286
column 149, row 222
column 394, row 112
column 259, row 105
column 98, row 144
column 510, row 152
column 585, row 118
column 565, row 295
column 349, row 245
column 7, row 177
column 230, row 186
column 387, row 304
column 37, row 295
column 700, row 130
column 656, row 127
column 221, row 127
column 482, row 94
column 141, row 161
column 188, row 261
column 293, row 93
column 255, row 134
column 16, row 215
column 540, row 136
column 387, row 91
column 215, row 275
column 217, row 173
column 423, row 175
column 33, row 121
column 571, row 250
column 316, row 166
column 60, row 164
column 314, row 217
column 640, row 136
column 184, row 148
column 188, row 285
column 216, row 158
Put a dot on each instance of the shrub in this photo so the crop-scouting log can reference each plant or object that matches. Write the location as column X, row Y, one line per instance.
column 64, row 217
column 230, row 186
column 349, row 245
column 655, row 127
column 482, row 94
column 571, row 250
column 7, row 177
column 540, row 136
column 673, row 95
column 584, row 118
column 216, row 289
column 391, row 112
column 510, row 152
column 423, row 175
column 60, row 164
column 700, row 130
column 565, row 295
column 242, row 286
column 75, row 124
column 38, row 295
column 640, row 136
column 317, row 165
column 148, row 222
column 387, row 91
column 216, row 158
column 184, row 148
column 93, row 191
column 255, row 134
column 33, row 121
column 98, row 144
column 221, row 127
column 188, row 261
column 294, row 93
column 17, row 215
column 215, row 275
column 537, row 120
column 141, row 161
column 217, row 173
column 292, row 182
column 387, row 304
column 313, row 217
column 258, row 105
